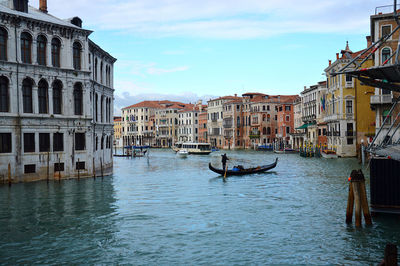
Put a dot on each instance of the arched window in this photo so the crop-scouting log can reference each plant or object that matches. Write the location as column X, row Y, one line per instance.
column 101, row 72
column 26, row 48
column 95, row 69
column 102, row 142
column 41, row 44
column 385, row 54
column 57, row 97
column 4, row 98
column 27, row 95
column 96, row 107
column 43, row 96
column 77, row 48
column 78, row 99
column 101, row 109
column 3, row 44
column 264, row 131
column 268, row 131
column 55, row 52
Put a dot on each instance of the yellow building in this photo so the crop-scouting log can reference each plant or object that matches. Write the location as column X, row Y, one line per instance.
column 117, row 131
column 347, row 114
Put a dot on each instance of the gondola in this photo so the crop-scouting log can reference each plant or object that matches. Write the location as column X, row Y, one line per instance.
column 247, row 171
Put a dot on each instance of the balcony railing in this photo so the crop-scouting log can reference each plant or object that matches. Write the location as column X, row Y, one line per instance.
column 329, row 133
column 336, row 133
column 381, row 99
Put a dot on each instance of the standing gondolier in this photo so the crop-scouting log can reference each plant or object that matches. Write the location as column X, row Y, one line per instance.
column 224, row 159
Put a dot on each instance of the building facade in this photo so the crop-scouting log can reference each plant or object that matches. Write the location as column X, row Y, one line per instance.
column 47, row 105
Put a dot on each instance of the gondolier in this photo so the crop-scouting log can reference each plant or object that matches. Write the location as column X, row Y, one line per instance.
column 224, row 159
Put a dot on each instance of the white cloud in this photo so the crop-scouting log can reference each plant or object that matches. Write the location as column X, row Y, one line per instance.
column 233, row 19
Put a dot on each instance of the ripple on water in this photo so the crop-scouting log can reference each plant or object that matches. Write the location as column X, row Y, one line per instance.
column 164, row 210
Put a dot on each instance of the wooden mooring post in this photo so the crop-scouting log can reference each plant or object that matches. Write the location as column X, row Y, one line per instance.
column 59, row 170
column 390, row 258
column 101, row 165
column 48, row 167
column 79, row 167
column 94, row 169
column 9, row 174
column 358, row 197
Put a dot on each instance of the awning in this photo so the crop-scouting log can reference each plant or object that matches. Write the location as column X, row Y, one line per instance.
column 303, row 126
column 386, row 113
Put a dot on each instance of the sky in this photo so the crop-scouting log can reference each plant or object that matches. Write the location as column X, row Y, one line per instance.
column 187, row 50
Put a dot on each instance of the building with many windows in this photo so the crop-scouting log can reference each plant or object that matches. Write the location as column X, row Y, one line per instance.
column 56, row 104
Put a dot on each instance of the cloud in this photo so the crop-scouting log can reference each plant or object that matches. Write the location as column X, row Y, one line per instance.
column 222, row 19
column 125, row 99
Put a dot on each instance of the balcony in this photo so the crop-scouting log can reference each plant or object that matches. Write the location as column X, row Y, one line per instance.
column 381, row 99
column 308, row 118
column 336, row 133
column 333, row 117
column 329, row 133
column 215, row 132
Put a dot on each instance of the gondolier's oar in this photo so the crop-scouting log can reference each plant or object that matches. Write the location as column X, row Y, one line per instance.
column 226, row 169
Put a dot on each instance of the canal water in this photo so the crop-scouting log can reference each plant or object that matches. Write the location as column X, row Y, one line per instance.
column 165, row 210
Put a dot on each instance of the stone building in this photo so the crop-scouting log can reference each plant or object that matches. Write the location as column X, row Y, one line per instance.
column 49, row 127
column 117, row 132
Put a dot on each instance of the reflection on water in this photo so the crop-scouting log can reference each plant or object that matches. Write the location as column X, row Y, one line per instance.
column 169, row 210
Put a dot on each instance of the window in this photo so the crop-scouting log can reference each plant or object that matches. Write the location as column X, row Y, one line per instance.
column 79, row 141
column 44, row 142
column 58, row 167
column 29, row 168
column 268, row 131
column 41, row 44
column 95, row 69
column 27, row 95
column 349, row 107
column 80, row 165
column 287, row 108
column 287, row 130
column 102, row 143
column 5, row 142
column 96, row 107
column 4, row 99
column 57, row 97
column 26, row 47
column 287, row 118
column 385, row 55
column 3, row 44
column 386, row 30
column 101, row 72
column 78, row 99
column 42, row 96
column 77, row 55
column 349, row 78
column 58, row 142
column 101, row 109
column 29, row 142
column 55, row 52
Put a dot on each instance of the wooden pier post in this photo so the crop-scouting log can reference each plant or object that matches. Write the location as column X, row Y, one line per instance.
column 390, row 255
column 101, row 167
column 9, row 174
column 59, row 169
column 350, row 205
column 358, row 197
column 94, row 169
column 79, row 166
column 48, row 166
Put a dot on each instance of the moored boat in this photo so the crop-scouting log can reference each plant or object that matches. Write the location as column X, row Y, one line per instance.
column 193, row 148
column 238, row 170
column 183, row 153
column 329, row 154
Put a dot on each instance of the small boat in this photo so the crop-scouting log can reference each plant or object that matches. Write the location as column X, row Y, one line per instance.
column 183, row 153
column 238, row 170
column 329, row 154
column 279, row 151
column 265, row 147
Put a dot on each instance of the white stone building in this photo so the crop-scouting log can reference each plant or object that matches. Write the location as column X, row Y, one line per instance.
column 48, row 125
column 188, row 123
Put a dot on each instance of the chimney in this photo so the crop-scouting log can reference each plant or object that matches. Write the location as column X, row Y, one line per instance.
column 235, row 94
column 337, row 56
column 43, row 6
column 330, row 62
column 369, row 41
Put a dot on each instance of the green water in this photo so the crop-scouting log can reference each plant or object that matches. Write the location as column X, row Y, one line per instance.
column 165, row 210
